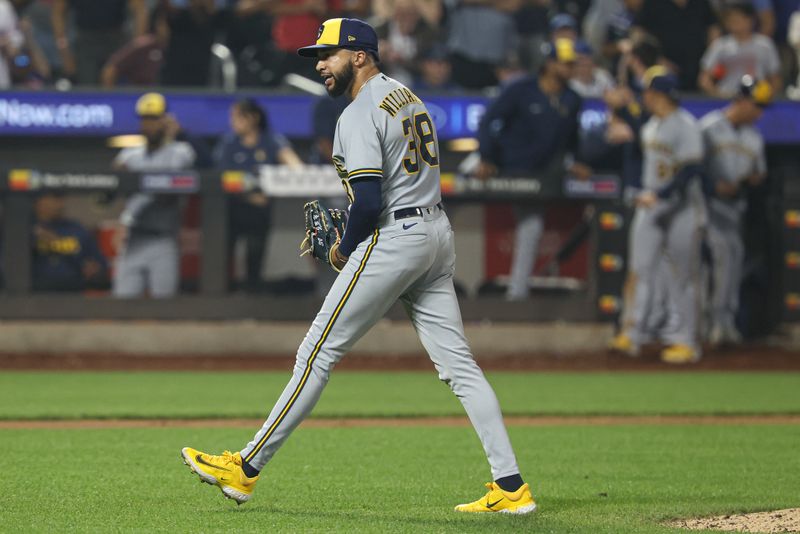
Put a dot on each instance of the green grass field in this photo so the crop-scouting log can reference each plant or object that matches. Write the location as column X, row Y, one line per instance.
column 592, row 479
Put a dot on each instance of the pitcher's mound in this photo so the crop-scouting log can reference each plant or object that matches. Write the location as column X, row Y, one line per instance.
column 775, row 521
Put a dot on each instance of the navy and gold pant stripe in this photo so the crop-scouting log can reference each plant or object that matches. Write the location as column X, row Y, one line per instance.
column 325, row 332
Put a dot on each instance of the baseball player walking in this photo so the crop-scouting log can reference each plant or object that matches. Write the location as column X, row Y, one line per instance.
column 670, row 213
column 734, row 158
column 398, row 244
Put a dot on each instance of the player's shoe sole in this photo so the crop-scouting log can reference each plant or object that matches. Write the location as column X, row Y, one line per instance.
column 228, row 491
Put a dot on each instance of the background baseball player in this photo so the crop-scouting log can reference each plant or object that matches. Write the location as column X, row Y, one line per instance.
column 734, row 158
column 669, row 216
column 148, row 232
column 398, row 245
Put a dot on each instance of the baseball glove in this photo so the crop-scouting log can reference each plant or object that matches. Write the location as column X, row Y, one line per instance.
column 324, row 229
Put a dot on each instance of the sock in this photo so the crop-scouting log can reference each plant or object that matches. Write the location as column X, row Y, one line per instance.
column 249, row 470
column 511, row 483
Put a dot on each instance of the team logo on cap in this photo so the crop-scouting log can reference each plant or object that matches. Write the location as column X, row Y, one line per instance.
column 608, row 304
column 350, row 38
column 610, row 263
column 610, row 220
column 320, row 30
column 792, row 219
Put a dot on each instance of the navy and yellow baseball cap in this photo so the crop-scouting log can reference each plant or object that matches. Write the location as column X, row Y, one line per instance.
column 151, row 105
column 353, row 34
column 659, row 78
column 759, row 91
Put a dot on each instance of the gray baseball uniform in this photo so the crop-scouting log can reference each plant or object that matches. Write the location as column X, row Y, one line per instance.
column 732, row 154
column 151, row 256
column 667, row 232
column 386, row 133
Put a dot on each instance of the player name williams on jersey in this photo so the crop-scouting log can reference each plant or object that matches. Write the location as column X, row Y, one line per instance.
column 397, row 99
column 387, row 134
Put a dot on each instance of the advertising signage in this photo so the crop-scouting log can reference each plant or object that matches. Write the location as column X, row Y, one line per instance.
column 100, row 113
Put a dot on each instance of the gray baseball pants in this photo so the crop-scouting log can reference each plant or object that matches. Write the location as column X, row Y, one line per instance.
column 727, row 252
column 413, row 260
column 666, row 234
column 148, row 263
column 530, row 225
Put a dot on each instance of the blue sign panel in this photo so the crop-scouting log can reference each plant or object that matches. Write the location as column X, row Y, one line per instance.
column 108, row 113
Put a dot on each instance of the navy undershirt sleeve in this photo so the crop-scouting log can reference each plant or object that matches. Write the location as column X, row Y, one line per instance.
column 364, row 214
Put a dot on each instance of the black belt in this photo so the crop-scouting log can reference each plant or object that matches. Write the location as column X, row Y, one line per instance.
column 405, row 213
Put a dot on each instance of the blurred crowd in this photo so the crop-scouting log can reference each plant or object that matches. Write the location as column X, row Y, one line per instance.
column 430, row 45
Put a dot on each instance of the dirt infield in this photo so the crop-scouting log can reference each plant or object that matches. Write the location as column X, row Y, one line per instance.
column 374, row 422
column 775, row 521
column 747, row 358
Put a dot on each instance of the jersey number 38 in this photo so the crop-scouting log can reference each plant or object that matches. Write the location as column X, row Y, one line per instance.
column 421, row 142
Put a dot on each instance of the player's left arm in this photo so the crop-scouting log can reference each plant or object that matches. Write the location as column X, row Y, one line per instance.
column 688, row 153
column 363, row 156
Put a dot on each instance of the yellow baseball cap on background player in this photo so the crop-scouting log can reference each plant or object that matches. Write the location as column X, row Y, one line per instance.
column 353, row 34
column 151, row 105
column 759, row 91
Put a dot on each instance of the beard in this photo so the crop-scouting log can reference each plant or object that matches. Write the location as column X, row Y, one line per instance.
column 155, row 139
column 342, row 81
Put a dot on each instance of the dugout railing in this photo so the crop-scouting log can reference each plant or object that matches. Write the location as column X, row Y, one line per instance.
column 597, row 299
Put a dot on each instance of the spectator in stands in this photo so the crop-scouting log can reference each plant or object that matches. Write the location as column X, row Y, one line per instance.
column 293, row 22
column 192, row 27
column 589, row 80
column 139, row 62
column 741, row 52
column 99, row 31
column 683, row 28
column 435, row 72
column 401, row 39
column 481, row 35
column 251, row 144
column 793, row 39
column 528, row 130
column 147, row 236
column 11, row 40
column 431, row 11
column 65, row 255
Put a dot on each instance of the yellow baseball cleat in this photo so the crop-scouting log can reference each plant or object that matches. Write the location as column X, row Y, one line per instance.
column 224, row 471
column 680, row 354
column 623, row 343
column 504, row 502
